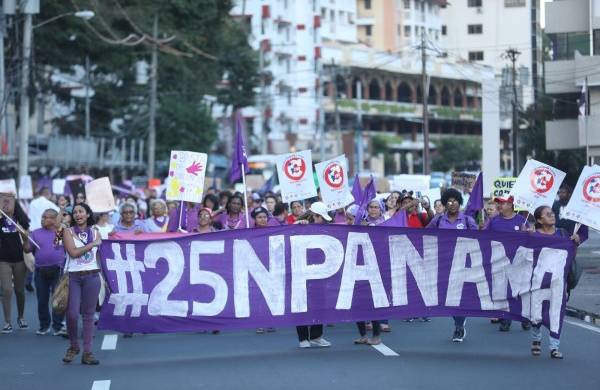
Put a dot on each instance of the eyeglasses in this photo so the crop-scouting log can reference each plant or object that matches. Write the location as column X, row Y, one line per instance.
column 452, row 202
column 128, row 212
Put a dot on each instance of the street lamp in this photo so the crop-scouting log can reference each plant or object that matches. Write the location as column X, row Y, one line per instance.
column 24, row 109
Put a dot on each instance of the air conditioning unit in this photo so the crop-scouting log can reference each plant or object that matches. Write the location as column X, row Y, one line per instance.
column 479, row 10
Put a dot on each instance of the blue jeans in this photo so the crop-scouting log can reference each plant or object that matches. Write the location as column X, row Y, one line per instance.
column 46, row 279
column 459, row 322
column 536, row 335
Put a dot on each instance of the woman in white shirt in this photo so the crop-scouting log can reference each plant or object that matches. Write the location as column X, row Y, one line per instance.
column 81, row 243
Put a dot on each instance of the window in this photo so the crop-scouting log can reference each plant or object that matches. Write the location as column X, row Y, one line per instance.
column 475, row 28
column 475, row 56
column 474, row 3
column 444, row 29
column 368, row 30
column 407, row 31
column 564, row 45
column 342, row 17
column 324, row 13
column 367, row 4
column 406, row 4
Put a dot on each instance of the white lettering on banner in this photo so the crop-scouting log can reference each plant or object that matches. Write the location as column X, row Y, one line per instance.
column 424, row 269
column 504, row 273
column 461, row 274
column 353, row 272
column 123, row 298
column 551, row 261
column 302, row 271
column 215, row 281
column 159, row 303
column 271, row 281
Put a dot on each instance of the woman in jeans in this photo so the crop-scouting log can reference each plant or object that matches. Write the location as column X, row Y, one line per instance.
column 81, row 243
column 545, row 223
column 12, row 266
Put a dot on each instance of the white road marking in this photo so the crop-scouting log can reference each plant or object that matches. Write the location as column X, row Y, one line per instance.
column 584, row 326
column 101, row 385
column 385, row 350
column 109, row 342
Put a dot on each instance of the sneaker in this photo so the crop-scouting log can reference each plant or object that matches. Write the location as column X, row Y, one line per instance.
column 70, row 355
column 7, row 328
column 260, row 330
column 271, row 330
column 61, row 332
column 425, row 319
column 43, row 331
column 536, row 348
column 459, row 335
column 89, row 359
column 22, row 324
column 304, row 344
column 526, row 325
column 556, row 354
column 320, row 342
column 504, row 327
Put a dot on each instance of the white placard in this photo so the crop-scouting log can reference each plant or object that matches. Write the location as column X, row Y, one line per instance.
column 536, row 185
column 410, row 182
column 584, row 205
column 186, row 176
column 8, row 186
column 296, row 176
column 333, row 182
column 99, row 195
column 58, row 186
column 25, row 187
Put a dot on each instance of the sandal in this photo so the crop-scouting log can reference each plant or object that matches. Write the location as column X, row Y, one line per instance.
column 362, row 340
column 375, row 341
column 556, row 354
column 536, row 348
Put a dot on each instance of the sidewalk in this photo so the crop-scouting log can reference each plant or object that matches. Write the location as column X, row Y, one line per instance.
column 585, row 299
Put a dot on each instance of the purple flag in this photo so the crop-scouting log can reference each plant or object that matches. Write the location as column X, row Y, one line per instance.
column 268, row 186
column 399, row 219
column 356, row 190
column 239, row 152
column 251, row 278
column 475, row 203
column 368, row 194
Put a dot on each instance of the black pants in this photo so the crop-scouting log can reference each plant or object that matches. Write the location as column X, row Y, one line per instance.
column 46, row 279
column 362, row 328
column 309, row 332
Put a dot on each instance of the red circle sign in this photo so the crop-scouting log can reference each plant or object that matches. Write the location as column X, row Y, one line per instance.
column 334, row 175
column 542, row 180
column 591, row 189
column 294, row 168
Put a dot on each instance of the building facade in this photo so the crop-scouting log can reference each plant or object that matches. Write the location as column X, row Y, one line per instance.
column 573, row 27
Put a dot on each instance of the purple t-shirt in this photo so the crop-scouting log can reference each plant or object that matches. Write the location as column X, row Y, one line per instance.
column 232, row 223
column 189, row 220
column 48, row 254
column 462, row 221
column 501, row 224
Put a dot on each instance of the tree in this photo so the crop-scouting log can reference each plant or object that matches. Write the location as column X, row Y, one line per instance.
column 457, row 154
column 204, row 43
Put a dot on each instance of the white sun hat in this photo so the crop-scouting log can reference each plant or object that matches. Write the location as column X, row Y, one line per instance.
column 321, row 209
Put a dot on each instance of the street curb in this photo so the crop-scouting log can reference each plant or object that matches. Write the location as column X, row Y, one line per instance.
column 583, row 315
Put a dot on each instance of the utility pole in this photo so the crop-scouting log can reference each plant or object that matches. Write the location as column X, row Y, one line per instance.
column 261, row 103
column 513, row 55
column 153, row 88
column 358, row 131
column 425, row 96
column 87, row 97
column 321, row 118
column 24, row 109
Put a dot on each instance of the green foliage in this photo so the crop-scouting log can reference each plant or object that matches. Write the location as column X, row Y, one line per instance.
column 207, row 44
column 456, row 154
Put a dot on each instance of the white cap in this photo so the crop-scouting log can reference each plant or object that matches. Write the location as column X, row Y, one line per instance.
column 321, row 209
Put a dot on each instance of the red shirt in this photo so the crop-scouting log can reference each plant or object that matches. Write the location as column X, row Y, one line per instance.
column 414, row 221
column 291, row 219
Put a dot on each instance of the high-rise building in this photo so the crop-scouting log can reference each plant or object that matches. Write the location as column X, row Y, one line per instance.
column 392, row 25
column 573, row 27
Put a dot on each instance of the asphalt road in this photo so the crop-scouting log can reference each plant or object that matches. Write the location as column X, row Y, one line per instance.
column 418, row 356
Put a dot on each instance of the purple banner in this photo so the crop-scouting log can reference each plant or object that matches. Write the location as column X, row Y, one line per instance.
column 305, row 274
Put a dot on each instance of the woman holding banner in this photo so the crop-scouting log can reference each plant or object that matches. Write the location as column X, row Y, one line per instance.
column 159, row 221
column 12, row 264
column 453, row 218
column 128, row 222
column 205, row 224
column 233, row 217
column 545, row 223
column 297, row 211
column 375, row 211
column 312, row 336
column 81, row 243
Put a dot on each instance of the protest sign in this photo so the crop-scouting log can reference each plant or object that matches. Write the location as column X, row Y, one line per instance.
column 58, row 186
column 333, row 182
column 99, row 195
column 536, row 185
column 8, row 186
column 267, row 277
column 409, row 183
column 502, row 187
column 584, row 205
column 25, row 187
column 295, row 174
column 186, row 176
column 463, row 181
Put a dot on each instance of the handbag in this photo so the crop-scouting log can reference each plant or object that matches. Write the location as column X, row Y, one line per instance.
column 28, row 258
column 60, row 298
